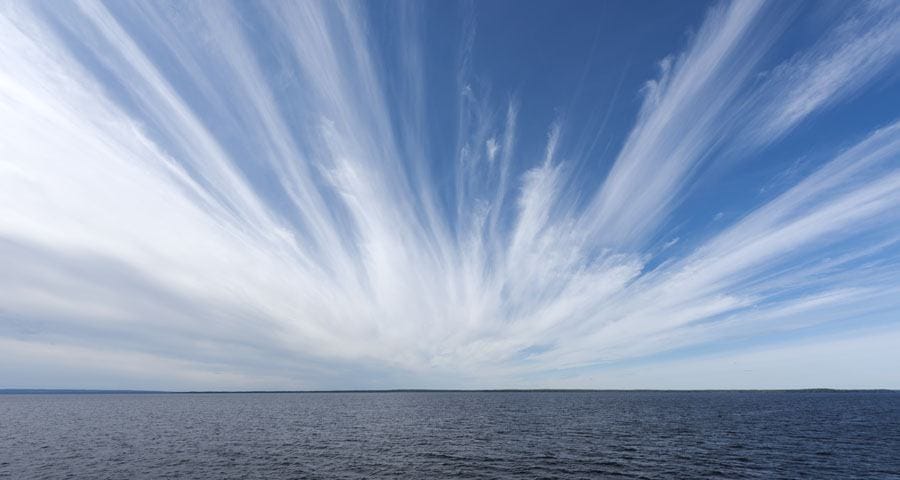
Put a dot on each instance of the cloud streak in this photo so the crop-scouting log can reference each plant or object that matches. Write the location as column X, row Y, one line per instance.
column 242, row 195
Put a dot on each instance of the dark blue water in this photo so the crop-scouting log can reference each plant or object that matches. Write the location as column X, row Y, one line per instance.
column 650, row 435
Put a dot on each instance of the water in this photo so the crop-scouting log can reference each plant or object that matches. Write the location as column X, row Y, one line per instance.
column 452, row 434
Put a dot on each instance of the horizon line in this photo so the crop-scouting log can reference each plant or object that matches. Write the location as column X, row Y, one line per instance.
column 88, row 391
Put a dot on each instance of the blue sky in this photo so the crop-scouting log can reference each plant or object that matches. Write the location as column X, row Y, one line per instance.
column 215, row 195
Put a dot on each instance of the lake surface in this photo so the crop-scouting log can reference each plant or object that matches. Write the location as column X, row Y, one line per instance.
column 649, row 435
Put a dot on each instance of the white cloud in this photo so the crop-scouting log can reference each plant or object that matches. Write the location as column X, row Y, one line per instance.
column 141, row 235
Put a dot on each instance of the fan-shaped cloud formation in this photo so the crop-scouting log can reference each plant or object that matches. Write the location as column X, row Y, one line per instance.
column 214, row 195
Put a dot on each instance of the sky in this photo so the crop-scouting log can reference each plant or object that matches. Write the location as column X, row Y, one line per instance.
column 439, row 194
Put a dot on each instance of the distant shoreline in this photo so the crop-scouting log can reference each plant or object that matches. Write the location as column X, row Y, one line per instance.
column 62, row 391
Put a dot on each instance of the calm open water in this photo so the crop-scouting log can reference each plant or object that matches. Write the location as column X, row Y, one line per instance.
column 452, row 434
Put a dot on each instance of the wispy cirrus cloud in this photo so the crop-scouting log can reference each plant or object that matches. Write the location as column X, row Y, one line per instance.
column 251, row 195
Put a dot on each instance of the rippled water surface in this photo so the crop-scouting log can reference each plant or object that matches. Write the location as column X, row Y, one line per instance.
column 452, row 434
